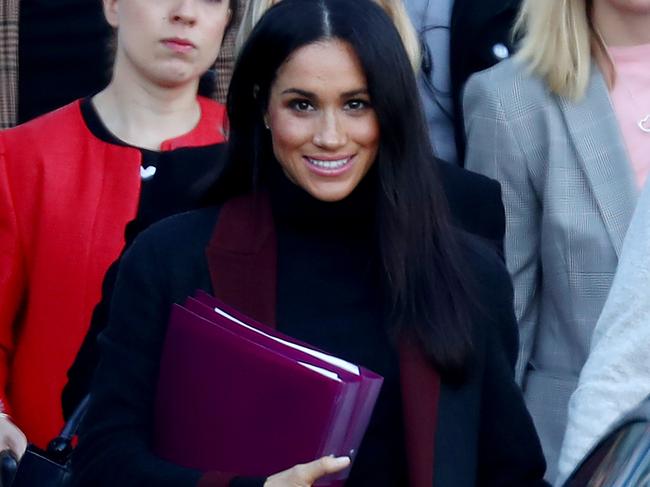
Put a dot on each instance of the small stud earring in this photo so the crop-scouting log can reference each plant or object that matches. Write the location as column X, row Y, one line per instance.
column 266, row 124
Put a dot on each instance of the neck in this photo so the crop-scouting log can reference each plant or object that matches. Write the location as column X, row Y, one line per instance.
column 144, row 114
column 620, row 26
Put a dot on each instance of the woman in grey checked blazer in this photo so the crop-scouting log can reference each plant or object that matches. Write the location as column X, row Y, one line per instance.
column 546, row 125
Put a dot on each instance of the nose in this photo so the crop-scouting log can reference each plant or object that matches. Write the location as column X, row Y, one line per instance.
column 330, row 134
column 184, row 11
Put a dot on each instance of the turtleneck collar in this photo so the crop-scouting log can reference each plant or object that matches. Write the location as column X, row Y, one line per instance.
column 295, row 207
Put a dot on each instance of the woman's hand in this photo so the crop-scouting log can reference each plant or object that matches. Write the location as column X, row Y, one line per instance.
column 11, row 438
column 306, row 474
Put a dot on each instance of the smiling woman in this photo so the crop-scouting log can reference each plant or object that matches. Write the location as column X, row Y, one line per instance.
column 349, row 247
column 72, row 180
column 324, row 130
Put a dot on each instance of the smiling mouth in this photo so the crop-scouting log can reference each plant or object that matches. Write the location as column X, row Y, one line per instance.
column 329, row 165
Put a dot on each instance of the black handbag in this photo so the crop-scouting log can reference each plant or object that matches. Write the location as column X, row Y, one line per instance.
column 43, row 468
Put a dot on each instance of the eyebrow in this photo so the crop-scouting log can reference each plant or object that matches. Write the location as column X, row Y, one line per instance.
column 309, row 94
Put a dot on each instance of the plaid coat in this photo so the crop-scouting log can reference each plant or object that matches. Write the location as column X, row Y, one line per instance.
column 569, row 195
column 8, row 62
column 226, row 60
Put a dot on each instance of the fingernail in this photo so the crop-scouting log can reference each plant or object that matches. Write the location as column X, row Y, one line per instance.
column 342, row 461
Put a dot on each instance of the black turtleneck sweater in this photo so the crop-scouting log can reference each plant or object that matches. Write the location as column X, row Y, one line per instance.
column 329, row 294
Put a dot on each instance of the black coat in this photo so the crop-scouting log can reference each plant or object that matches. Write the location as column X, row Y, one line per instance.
column 484, row 436
column 476, row 207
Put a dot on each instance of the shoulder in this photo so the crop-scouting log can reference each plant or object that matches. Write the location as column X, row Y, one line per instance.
column 455, row 180
column 486, row 266
column 213, row 117
column 491, row 291
column 508, row 83
column 211, row 108
column 177, row 239
column 474, row 201
column 63, row 119
column 53, row 147
column 54, row 135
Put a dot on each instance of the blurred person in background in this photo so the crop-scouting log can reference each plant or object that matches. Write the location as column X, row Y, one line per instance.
column 616, row 376
column 76, row 183
column 458, row 38
column 564, row 128
column 53, row 52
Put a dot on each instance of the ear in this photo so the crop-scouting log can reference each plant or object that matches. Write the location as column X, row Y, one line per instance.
column 111, row 9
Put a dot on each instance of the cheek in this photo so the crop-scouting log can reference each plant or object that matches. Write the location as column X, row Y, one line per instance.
column 641, row 7
column 366, row 134
column 212, row 41
column 290, row 136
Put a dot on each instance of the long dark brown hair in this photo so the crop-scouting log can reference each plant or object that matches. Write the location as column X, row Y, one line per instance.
column 421, row 260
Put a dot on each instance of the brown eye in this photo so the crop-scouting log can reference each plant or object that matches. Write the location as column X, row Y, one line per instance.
column 301, row 105
column 356, row 105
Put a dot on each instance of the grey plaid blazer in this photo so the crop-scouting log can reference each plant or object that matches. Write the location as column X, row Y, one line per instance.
column 8, row 62
column 569, row 195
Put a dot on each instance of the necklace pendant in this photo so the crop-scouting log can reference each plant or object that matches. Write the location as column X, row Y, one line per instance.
column 644, row 124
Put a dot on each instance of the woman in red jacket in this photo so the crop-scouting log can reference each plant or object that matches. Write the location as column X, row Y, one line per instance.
column 72, row 180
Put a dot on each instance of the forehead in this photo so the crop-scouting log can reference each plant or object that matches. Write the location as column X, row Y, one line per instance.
column 329, row 65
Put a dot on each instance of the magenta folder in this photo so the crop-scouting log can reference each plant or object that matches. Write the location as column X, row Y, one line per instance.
column 236, row 396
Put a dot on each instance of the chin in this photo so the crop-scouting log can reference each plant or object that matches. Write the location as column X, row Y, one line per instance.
column 175, row 76
column 331, row 194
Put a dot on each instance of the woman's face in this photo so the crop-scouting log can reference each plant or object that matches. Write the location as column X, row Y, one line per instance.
column 167, row 42
column 324, row 130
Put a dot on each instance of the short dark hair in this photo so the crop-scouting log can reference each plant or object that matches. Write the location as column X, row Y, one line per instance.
column 420, row 257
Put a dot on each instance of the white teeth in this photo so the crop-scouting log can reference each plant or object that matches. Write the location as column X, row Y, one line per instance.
column 328, row 164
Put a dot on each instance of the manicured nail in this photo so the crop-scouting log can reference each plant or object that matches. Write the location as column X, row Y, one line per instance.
column 342, row 461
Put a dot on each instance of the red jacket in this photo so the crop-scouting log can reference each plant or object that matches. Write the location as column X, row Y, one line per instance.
column 65, row 200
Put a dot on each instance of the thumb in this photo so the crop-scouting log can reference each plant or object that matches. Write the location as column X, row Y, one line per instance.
column 323, row 466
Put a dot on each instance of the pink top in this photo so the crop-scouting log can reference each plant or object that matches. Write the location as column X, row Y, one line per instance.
column 631, row 100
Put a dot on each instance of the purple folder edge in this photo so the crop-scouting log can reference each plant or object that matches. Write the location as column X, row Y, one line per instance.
column 370, row 385
column 353, row 382
column 180, row 314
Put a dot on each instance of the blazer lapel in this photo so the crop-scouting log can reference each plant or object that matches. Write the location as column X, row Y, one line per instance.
column 596, row 136
column 242, row 260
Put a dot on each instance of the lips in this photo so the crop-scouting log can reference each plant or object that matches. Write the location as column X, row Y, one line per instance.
column 180, row 45
column 329, row 166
